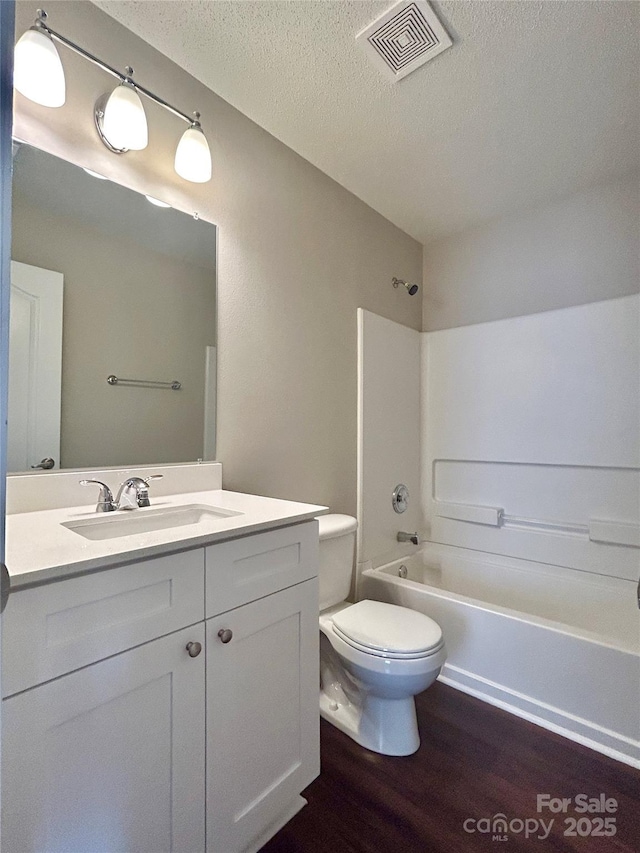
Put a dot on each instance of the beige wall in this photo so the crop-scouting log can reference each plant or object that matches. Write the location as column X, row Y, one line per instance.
column 297, row 256
column 108, row 328
column 581, row 249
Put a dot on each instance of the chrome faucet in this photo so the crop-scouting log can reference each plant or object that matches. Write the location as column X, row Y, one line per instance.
column 134, row 492
column 407, row 537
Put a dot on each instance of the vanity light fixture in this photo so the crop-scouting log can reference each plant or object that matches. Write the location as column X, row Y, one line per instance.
column 119, row 116
column 38, row 73
column 193, row 158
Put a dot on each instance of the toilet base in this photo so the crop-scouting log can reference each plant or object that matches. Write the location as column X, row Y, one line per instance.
column 387, row 726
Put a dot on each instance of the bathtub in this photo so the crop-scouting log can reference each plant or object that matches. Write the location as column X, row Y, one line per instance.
column 557, row 646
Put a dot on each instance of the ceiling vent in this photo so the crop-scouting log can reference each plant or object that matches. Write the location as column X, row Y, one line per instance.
column 404, row 38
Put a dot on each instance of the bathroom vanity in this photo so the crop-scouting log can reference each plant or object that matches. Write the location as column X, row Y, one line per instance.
column 160, row 664
column 160, row 687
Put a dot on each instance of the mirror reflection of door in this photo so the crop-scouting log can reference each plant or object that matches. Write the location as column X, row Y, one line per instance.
column 35, row 366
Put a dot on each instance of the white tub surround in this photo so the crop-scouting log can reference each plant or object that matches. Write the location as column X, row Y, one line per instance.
column 530, row 472
column 554, row 645
column 388, row 434
column 531, row 437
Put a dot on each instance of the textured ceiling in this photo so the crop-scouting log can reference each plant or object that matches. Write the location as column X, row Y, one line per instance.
column 533, row 101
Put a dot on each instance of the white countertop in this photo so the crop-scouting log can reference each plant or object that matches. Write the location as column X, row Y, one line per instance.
column 39, row 549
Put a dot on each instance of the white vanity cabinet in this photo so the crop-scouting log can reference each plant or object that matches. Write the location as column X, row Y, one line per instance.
column 111, row 757
column 262, row 683
column 128, row 719
column 262, row 716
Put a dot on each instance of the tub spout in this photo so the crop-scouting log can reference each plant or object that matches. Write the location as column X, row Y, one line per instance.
column 407, row 537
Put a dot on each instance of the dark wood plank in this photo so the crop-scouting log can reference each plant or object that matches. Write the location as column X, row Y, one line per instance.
column 474, row 761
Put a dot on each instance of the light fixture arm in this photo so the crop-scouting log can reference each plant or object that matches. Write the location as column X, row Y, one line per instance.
column 123, row 78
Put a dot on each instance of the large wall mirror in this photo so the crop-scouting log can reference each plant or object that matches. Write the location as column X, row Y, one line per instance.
column 106, row 283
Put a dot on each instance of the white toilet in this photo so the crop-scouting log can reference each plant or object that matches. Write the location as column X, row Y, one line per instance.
column 374, row 657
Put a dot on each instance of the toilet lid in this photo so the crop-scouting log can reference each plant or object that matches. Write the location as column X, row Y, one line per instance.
column 387, row 628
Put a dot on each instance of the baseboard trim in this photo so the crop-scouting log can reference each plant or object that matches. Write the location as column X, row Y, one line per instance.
column 574, row 728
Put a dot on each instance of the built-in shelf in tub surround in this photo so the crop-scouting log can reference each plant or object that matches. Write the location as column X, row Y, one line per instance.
column 42, row 546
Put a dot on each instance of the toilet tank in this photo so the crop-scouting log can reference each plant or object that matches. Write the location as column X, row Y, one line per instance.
column 337, row 552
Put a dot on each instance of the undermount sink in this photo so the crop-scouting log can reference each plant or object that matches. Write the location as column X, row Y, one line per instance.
column 128, row 523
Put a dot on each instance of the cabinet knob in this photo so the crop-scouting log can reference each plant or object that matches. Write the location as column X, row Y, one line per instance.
column 225, row 635
column 194, row 649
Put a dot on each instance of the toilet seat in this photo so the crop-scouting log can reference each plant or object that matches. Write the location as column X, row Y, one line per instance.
column 388, row 655
column 382, row 664
column 386, row 630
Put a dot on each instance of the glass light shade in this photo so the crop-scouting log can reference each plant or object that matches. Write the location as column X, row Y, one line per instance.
column 125, row 122
column 94, row 174
column 193, row 158
column 38, row 73
column 156, row 201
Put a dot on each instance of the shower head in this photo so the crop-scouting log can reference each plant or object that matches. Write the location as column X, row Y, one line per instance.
column 412, row 289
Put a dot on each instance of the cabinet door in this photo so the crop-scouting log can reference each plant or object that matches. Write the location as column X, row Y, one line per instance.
column 262, row 715
column 111, row 757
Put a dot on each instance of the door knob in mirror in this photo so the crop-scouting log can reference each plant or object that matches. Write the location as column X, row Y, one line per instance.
column 47, row 463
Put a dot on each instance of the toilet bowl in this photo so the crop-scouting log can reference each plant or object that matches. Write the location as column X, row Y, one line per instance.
column 374, row 657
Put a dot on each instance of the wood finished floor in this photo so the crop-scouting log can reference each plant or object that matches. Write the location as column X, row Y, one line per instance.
column 474, row 761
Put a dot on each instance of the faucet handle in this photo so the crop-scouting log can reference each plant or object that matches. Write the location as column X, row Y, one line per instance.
column 105, row 498
column 147, row 480
column 134, row 492
column 143, row 492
